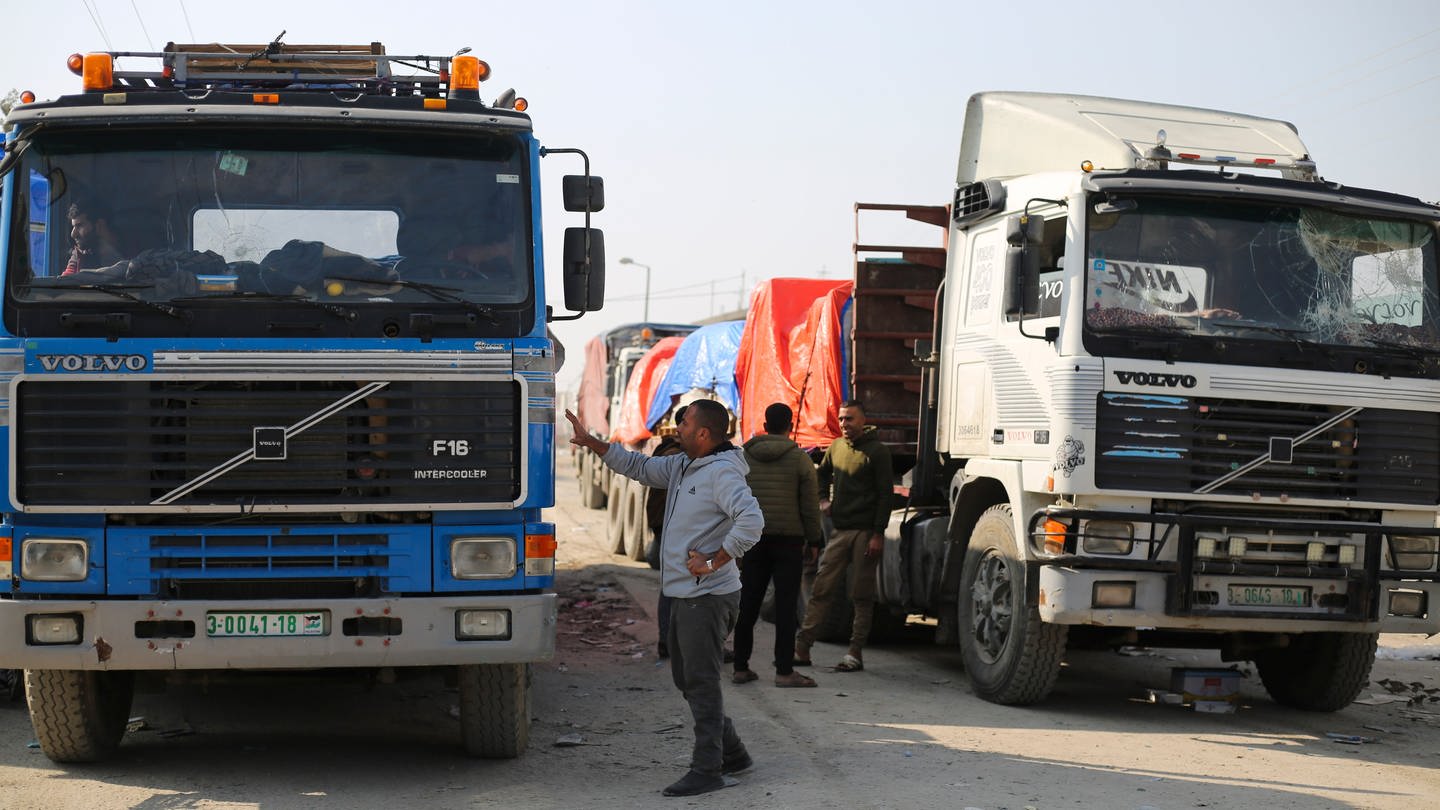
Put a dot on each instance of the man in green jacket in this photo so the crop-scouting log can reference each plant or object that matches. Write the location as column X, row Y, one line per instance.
column 782, row 479
column 857, row 467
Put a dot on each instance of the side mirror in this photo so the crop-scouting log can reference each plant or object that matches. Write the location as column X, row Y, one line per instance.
column 584, row 273
column 1022, row 260
column 583, row 192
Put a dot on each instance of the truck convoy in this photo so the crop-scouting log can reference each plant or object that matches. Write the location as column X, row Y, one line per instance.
column 287, row 400
column 1175, row 390
column 610, row 362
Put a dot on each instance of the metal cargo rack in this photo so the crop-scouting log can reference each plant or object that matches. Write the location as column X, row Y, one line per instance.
column 280, row 66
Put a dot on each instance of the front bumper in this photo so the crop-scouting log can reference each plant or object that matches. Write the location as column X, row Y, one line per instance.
column 1066, row 597
column 1177, row 590
column 385, row 633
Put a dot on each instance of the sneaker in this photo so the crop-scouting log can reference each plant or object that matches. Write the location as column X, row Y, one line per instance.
column 794, row 679
column 744, row 676
column 693, row 784
column 737, row 762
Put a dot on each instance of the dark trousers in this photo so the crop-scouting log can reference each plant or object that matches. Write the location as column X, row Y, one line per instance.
column 779, row 558
column 662, row 610
column 698, row 627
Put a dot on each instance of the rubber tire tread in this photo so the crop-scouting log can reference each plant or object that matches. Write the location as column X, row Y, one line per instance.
column 635, row 528
column 583, row 482
column 1030, row 663
column 1318, row 672
column 495, row 709
column 78, row 715
column 615, row 515
column 592, row 484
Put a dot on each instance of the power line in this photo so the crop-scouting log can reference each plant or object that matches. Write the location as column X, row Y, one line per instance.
column 95, row 18
column 1362, row 60
column 143, row 29
column 1332, row 88
column 186, row 14
column 1374, row 99
column 657, row 293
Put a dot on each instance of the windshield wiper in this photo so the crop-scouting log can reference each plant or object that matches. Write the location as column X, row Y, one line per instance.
column 1274, row 329
column 439, row 293
column 1409, row 349
column 122, row 291
column 250, row 295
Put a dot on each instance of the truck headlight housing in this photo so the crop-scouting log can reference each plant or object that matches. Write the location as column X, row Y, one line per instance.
column 482, row 557
column 482, row 624
column 1412, row 552
column 54, row 559
column 1108, row 537
column 46, row 629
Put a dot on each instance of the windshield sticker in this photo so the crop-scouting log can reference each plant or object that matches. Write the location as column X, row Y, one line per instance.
column 234, row 164
column 1149, row 287
column 507, row 178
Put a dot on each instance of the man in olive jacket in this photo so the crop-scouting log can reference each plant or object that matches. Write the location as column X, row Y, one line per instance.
column 783, row 480
column 858, row 465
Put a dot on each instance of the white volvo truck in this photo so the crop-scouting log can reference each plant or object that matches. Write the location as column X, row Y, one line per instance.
column 1180, row 391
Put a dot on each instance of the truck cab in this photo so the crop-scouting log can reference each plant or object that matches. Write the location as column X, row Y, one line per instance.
column 1184, row 393
column 280, row 392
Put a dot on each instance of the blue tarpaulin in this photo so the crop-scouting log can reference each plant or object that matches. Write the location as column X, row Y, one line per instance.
column 706, row 360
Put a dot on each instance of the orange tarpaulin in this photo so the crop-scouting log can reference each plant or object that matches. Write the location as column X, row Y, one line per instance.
column 647, row 375
column 592, row 405
column 791, row 353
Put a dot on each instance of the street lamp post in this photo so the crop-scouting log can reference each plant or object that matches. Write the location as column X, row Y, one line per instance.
column 628, row 260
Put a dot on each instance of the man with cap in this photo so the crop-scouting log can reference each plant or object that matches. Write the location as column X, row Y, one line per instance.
column 783, row 480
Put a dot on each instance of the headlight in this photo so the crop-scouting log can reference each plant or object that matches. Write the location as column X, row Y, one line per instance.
column 487, row 624
column 1412, row 553
column 56, row 628
column 48, row 559
column 1108, row 537
column 482, row 557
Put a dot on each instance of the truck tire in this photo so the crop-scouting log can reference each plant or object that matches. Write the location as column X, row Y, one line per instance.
column 1012, row 657
column 585, row 480
column 887, row 625
column 635, row 528
column 79, row 715
column 652, row 550
column 495, row 709
column 1318, row 672
column 615, row 515
column 12, row 685
column 595, row 481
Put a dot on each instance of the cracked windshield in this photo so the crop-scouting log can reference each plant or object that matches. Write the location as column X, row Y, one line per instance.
column 298, row 217
column 1262, row 271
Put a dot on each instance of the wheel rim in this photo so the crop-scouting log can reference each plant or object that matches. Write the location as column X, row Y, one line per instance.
column 991, row 606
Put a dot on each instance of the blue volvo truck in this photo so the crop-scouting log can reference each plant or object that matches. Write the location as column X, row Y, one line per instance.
column 278, row 385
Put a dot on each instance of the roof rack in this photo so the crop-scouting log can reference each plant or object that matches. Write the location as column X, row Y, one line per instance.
column 278, row 66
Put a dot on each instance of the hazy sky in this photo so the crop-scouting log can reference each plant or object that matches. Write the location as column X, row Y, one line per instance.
column 734, row 138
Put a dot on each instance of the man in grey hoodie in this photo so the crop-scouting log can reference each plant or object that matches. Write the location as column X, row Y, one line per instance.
column 711, row 519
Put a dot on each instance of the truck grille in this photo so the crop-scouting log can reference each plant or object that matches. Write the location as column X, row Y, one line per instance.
column 236, row 563
column 1185, row 444
column 143, row 445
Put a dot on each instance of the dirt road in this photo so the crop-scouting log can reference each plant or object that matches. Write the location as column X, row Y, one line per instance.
column 904, row 733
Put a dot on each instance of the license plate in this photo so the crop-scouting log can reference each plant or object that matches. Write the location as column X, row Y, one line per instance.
column 1269, row 596
column 267, row 623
